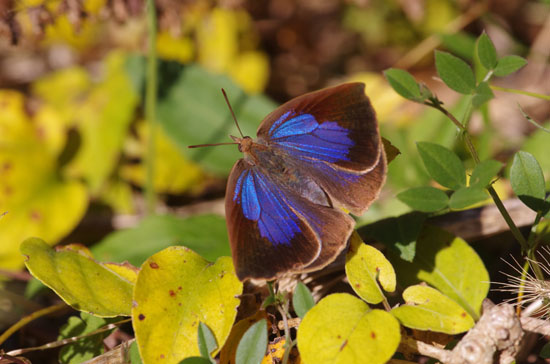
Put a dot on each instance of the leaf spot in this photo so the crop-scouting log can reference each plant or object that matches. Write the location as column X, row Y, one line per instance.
column 35, row 215
column 357, row 285
column 141, row 317
column 344, row 345
column 154, row 265
column 172, row 293
column 373, row 334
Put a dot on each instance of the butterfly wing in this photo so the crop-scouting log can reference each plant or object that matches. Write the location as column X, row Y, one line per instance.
column 333, row 133
column 273, row 230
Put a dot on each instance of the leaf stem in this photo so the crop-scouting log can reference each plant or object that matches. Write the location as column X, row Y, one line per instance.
column 150, row 108
column 33, row 316
column 521, row 92
column 69, row 340
column 436, row 104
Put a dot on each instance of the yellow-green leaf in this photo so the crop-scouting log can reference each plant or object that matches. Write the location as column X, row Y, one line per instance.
column 79, row 280
column 175, row 290
column 342, row 329
column 449, row 264
column 102, row 122
column 38, row 201
column 428, row 309
column 367, row 269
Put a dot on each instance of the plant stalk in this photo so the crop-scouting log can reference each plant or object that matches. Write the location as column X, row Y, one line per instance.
column 150, row 108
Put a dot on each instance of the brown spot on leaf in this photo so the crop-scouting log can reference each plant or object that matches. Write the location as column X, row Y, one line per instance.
column 343, row 345
column 463, row 314
column 172, row 293
column 35, row 215
column 6, row 166
column 153, row 265
column 141, row 317
column 378, row 269
column 162, row 356
column 373, row 334
column 357, row 285
column 338, row 337
column 179, row 288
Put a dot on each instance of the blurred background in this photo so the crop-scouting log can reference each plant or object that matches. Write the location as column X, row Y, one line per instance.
column 73, row 135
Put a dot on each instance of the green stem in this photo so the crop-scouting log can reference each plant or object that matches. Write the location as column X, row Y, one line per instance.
column 533, row 248
column 521, row 92
column 150, row 107
column 498, row 202
column 29, row 318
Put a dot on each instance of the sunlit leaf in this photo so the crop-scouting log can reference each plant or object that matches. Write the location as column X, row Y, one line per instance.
column 428, row 309
column 449, row 264
column 442, row 164
column 342, row 329
column 175, row 290
column 79, row 280
column 456, row 73
column 368, row 271
column 425, row 199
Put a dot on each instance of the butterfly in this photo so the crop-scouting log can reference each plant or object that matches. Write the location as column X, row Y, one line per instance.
column 314, row 155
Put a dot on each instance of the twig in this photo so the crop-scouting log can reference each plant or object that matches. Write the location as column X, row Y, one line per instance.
column 25, row 320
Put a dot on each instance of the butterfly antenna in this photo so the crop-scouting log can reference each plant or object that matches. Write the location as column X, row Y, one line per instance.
column 232, row 113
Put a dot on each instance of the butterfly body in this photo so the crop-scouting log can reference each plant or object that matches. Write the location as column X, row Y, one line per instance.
column 314, row 154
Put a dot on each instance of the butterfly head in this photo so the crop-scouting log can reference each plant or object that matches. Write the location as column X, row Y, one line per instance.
column 245, row 143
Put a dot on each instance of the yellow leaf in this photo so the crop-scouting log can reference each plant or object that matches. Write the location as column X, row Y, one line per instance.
column 217, row 36
column 178, row 49
column 78, row 280
column 168, row 158
column 38, row 201
column 103, row 121
column 367, row 269
column 175, row 290
column 429, row 309
column 342, row 329
column 251, row 71
column 62, row 31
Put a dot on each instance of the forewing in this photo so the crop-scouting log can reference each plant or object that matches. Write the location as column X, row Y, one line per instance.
column 274, row 231
column 336, row 125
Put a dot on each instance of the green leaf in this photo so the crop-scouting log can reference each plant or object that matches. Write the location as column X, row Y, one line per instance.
column 342, row 329
column 486, row 51
column 456, row 73
column 195, row 360
column 404, row 84
column 175, row 290
column 528, row 181
column 461, row 43
column 302, row 300
column 428, row 309
column 508, row 65
column 449, row 264
column 466, row 197
column 482, row 94
column 368, row 270
column 135, row 358
column 443, row 165
column 425, row 199
column 207, row 341
column 80, row 281
column 484, row 173
column 397, row 233
column 545, row 351
column 253, row 344
column 88, row 347
column 205, row 234
column 194, row 112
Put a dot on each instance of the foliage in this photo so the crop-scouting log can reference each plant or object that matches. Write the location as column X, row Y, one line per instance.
column 86, row 144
